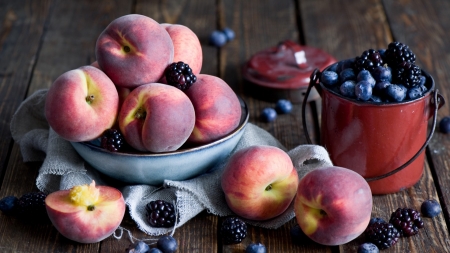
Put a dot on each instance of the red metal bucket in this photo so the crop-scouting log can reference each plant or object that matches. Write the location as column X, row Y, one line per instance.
column 383, row 142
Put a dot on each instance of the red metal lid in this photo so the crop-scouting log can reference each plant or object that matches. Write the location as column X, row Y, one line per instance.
column 283, row 71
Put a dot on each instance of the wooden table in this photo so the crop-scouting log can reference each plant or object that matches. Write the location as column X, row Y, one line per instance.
column 39, row 40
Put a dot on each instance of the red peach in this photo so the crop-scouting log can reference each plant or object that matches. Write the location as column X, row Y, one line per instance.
column 333, row 205
column 81, row 104
column 217, row 109
column 133, row 50
column 187, row 47
column 259, row 182
column 156, row 117
column 86, row 214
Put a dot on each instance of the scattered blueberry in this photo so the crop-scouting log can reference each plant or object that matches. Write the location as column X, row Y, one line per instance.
column 376, row 219
column 414, row 92
column 363, row 90
column 430, row 208
column 444, row 125
column 347, row 88
column 396, row 92
column 8, row 204
column 217, row 39
column 138, row 247
column 347, row 74
column 229, row 33
column 167, row 244
column 268, row 114
column 283, row 106
column 364, row 75
column 382, row 73
column 329, row 78
column 256, row 248
column 368, row 248
column 154, row 250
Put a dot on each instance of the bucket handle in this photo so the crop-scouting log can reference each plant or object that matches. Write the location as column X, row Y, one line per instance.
column 438, row 101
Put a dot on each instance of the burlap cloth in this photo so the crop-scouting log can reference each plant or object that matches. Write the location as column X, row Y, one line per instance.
column 63, row 168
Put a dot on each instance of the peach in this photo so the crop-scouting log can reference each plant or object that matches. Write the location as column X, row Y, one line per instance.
column 217, row 109
column 134, row 50
column 81, row 104
column 333, row 205
column 156, row 117
column 187, row 47
column 86, row 213
column 259, row 182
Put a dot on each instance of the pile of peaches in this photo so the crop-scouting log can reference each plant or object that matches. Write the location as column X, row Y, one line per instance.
column 126, row 88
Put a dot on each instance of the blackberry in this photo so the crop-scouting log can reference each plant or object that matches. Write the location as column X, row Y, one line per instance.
column 369, row 60
column 180, row 75
column 112, row 140
column 32, row 204
column 407, row 74
column 233, row 230
column 407, row 221
column 382, row 234
column 160, row 214
column 397, row 53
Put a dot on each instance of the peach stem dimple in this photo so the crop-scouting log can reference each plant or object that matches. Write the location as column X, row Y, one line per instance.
column 90, row 99
column 126, row 49
column 269, row 187
column 140, row 114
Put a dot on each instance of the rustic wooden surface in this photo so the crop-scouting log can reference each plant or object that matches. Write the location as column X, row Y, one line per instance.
column 40, row 40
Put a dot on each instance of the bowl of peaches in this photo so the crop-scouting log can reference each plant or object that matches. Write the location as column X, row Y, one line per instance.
column 140, row 113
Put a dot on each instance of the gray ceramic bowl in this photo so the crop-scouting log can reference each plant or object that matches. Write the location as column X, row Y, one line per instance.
column 154, row 168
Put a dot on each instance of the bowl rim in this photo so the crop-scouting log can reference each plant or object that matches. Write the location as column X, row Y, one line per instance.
column 245, row 115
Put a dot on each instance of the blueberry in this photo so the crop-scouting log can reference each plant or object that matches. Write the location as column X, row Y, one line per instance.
column 217, row 39
column 364, row 75
column 368, row 248
column 382, row 73
column 376, row 219
column 414, row 92
column 363, row 90
column 430, row 208
column 422, row 80
column 444, row 125
column 382, row 53
column 268, row 114
column 333, row 67
column 347, row 89
column 380, row 86
column 167, row 244
column 7, row 204
column 396, row 92
column 375, row 99
column 329, row 78
column 297, row 235
column 345, row 64
column 347, row 74
column 229, row 33
column 138, row 247
column 283, row 106
column 155, row 250
column 256, row 248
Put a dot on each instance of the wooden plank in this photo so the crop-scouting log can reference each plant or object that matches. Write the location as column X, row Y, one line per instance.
column 21, row 27
column 67, row 43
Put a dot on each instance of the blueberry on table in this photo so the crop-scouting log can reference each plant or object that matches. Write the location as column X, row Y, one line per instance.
column 329, row 78
column 167, row 244
column 229, row 33
column 368, row 248
column 138, row 247
column 154, row 250
column 268, row 114
column 347, row 89
column 444, row 125
column 256, row 248
column 376, row 219
column 283, row 106
column 363, row 90
column 8, row 204
column 217, row 39
column 430, row 208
